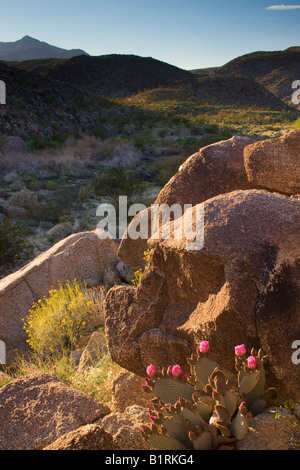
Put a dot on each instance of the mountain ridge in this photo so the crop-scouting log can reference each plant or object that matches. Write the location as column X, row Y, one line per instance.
column 113, row 75
column 275, row 70
column 28, row 48
column 46, row 97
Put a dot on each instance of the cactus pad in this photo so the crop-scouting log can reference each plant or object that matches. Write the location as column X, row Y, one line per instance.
column 169, row 390
column 204, row 367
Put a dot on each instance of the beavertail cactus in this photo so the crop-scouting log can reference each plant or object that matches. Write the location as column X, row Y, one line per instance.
column 207, row 409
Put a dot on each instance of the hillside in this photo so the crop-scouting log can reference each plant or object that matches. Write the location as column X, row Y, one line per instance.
column 36, row 105
column 62, row 97
column 111, row 75
column 29, row 48
column 73, row 96
column 215, row 91
column 276, row 70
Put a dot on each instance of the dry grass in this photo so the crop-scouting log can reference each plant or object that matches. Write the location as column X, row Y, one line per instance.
column 96, row 380
column 74, row 153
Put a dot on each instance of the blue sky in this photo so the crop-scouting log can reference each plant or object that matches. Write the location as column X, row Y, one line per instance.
column 186, row 33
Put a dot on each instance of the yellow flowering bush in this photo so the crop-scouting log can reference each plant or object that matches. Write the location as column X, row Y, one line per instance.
column 55, row 323
column 138, row 274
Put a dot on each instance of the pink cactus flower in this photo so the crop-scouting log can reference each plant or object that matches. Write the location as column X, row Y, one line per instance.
column 251, row 362
column 240, row 350
column 176, row 371
column 243, row 408
column 204, row 346
column 151, row 370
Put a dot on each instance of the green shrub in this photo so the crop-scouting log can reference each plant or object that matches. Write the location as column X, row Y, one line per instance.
column 59, row 231
column 51, row 185
column 34, row 185
column 17, row 185
column 25, row 198
column 141, row 141
column 100, row 132
column 45, row 225
column 30, row 176
column 85, row 192
column 120, row 181
column 40, row 143
column 87, row 222
column 195, row 130
column 14, row 246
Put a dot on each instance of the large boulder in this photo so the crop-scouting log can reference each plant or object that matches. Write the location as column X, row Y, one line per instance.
column 274, row 429
column 242, row 286
column 131, row 250
column 274, row 164
column 88, row 437
column 215, row 169
column 127, row 391
column 125, row 428
column 81, row 256
column 38, row 409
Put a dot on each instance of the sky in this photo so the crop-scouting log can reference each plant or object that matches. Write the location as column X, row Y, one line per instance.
column 186, row 33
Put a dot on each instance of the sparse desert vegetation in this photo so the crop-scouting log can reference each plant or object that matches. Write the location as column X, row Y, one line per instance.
column 54, row 190
column 68, row 143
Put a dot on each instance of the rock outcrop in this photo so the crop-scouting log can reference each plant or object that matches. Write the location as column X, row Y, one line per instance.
column 89, row 437
column 116, row 431
column 125, row 428
column 81, row 256
column 38, row 409
column 241, row 287
column 127, row 391
column 215, row 169
column 274, row 429
column 273, row 164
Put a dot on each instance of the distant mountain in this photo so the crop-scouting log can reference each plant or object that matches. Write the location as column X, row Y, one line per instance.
column 275, row 70
column 115, row 75
column 29, row 48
